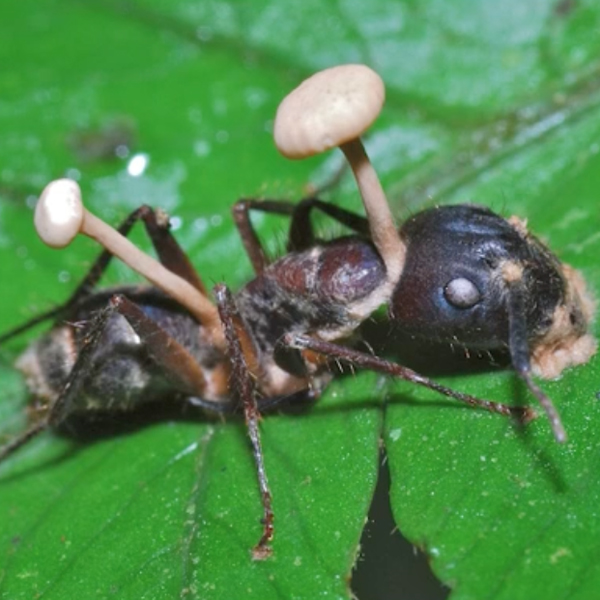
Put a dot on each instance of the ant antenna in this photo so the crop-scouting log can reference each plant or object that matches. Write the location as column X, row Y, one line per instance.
column 33, row 431
column 512, row 274
column 60, row 215
column 49, row 314
column 333, row 108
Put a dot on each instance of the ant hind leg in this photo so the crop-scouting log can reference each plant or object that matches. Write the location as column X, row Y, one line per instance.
column 301, row 233
column 59, row 406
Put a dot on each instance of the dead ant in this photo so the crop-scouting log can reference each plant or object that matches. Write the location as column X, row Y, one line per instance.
column 461, row 274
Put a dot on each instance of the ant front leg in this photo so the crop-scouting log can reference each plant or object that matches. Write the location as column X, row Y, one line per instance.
column 379, row 365
column 169, row 252
column 243, row 359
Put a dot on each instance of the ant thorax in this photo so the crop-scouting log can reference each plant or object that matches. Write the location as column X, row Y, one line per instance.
column 326, row 291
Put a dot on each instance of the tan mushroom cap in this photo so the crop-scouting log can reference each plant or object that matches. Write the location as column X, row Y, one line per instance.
column 59, row 213
column 328, row 109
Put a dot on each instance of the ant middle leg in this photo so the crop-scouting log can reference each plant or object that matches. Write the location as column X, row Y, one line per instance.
column 244, row 365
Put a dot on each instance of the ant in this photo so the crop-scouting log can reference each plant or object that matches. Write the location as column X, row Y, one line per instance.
column 461, row 274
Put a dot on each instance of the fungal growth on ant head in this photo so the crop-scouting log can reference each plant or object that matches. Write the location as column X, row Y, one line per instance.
column 475, row 279
column 460, row 274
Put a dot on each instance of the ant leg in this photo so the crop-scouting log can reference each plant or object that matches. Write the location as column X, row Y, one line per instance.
column 49, row 314
column 241, row 217
column 374, row 363
column 243, row 382
column 62, row 402
column 301, row 234
column 167, row 248
column 171, row 359
column 170, row 254
column 519, row 353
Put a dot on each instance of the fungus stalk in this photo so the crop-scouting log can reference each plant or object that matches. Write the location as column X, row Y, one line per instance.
column 60, row 216
column 381, row 221
column 333, row 108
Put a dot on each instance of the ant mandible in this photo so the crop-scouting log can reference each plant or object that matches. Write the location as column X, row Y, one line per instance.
column 457, row 273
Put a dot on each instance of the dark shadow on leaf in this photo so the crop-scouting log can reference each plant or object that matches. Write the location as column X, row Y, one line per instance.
column 541, row 457
column 430, row 357
column 23, row 473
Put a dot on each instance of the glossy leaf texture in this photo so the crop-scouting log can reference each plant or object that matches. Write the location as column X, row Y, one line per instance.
column 497, row 104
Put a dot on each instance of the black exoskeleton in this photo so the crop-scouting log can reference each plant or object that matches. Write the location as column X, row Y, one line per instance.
column 452, row 288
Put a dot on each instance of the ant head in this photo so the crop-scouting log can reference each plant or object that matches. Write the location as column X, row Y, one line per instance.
column 455, row 283
column 469, row 273
column 481, row 281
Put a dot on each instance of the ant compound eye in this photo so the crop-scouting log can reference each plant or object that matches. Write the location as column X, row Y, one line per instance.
column 462, row 293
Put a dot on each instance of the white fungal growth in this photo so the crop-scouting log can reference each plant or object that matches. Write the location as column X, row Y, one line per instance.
column 59, row 213
column 60, row 216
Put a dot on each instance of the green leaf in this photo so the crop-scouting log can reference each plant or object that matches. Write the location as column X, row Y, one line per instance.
column 510, row 514
column 490, row 103
column 171, row 509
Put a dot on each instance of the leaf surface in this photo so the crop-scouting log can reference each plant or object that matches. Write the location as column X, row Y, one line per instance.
column 490, row 103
